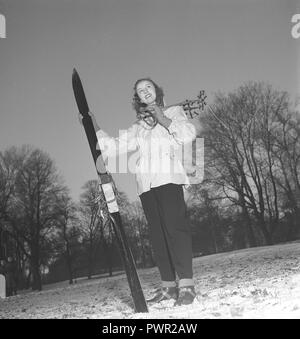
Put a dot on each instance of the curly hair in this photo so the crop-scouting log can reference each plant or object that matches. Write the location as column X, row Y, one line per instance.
column 136, row 101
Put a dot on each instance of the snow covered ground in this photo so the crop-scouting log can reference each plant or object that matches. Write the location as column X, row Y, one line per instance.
column 261, row 282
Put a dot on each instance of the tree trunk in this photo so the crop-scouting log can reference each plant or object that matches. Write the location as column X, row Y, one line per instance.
column 250, row 237
column 265, row 232
column 36, row 277
column 35, row 268
column 68, row 259
column 151, row 259
column 90, row 262
column 250, row 234
column 110, row 269
column 89, row 275
column 70, row 271
column 213, row 236
column 28, row 279
column 109, row 261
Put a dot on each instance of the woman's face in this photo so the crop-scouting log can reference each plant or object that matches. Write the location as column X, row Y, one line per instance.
column 146, row 92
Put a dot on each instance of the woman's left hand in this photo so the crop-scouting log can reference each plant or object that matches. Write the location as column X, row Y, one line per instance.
column 157, row 112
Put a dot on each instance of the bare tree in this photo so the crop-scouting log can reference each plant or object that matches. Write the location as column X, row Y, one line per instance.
column 240, row 142
column 67, row 239
column 91, row 221
column 286, row 152
column 31, row 212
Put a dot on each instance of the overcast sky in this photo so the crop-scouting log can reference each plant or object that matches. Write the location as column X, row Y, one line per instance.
column 184, row 45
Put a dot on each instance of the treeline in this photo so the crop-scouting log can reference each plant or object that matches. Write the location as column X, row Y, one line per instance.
column 251, row 192
column 53, row 238
column 250, row 195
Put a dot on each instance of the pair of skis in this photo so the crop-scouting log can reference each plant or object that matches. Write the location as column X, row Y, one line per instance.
column 106, row 185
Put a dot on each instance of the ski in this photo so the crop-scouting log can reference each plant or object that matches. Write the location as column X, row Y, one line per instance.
column 106, row 184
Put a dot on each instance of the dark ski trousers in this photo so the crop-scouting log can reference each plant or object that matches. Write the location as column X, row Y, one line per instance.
column 170, row 233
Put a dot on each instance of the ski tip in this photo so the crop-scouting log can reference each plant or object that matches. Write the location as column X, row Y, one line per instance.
column 75, row 71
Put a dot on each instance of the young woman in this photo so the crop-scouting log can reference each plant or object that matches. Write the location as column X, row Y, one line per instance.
column 160, row 178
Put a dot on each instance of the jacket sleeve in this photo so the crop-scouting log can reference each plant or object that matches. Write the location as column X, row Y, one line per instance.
column 111, row 147
column 182, row 130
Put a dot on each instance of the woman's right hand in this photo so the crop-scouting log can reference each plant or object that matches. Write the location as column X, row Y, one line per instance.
column 80, row 117
column 96, row 127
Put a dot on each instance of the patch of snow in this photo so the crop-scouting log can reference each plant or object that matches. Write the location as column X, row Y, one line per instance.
column 259, row 282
